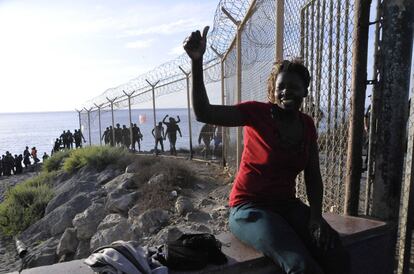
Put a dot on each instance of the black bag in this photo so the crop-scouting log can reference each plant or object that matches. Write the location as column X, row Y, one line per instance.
column 193, row 252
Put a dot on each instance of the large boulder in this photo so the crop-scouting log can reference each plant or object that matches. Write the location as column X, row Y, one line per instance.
column 87, row 221
column 198, row 217
column 67, row 191
column 107, row 175
column 183, row 205
column 43, row 254
column 158, row 179
column 68, row 242
column 150, row 221
column 120, row 200
column 124, row 180
column 120, row 231
column 132, row 168
column 110, row 220
column 83, row 250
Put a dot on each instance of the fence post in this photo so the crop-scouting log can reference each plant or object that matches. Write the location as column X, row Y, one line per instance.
column 80, row 120
column 153, row 99
column 187, row 79
column 113, row 120
column 394, row 80
column 223, row 137
column 280, row 19
column 356, row 125
column 89, row 125
column 130, row 115
column 99, row 119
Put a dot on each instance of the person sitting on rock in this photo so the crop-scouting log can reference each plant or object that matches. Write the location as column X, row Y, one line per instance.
column 279, row 142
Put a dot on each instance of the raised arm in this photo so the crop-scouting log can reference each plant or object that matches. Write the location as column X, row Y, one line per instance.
column 178, row 119
column 195, row 46
column 163, row 120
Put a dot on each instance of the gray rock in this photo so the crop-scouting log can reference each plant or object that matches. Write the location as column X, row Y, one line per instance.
column 220, row 212
column 107, row 175
column 183, row 205
column 198, row 217
column 134, row 213
column 120, row 200
column 120, row 231
column 132, row 168
column 67, row 191
column 206, row 202
column 201, row 228
column 150, row 221
column 68, row 242
column 124, row 180
column 157, row 179
column 43, row 254
column 83, row 250
column 110, row 221
column 87, row 221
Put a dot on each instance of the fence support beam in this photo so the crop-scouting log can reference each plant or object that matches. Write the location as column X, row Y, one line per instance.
column 99, row 119
column 187, row 79
column 80, row 120
column 356, row 124
column 129, row 95
column 153, row 99
column 111, row 102
column 280, row 21
column 223, row 133
column 395, row 66
column 89, row 124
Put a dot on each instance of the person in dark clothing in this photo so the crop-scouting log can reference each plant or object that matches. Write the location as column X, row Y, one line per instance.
column 69, row 140
column 57, row 145
column 126, row 136
column 206, row 135
column 136, row 137
column 63, row 139
column 18, row 163
column 118, row 135
column 78, row 136
column 45, row 157
column 26, row 157
column 105, row 136
column 171, row 132
column 159, row 135
column 8, row 163
column 111, row 136
column 1, row 166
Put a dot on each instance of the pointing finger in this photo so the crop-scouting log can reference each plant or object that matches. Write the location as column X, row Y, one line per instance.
column 205, row 31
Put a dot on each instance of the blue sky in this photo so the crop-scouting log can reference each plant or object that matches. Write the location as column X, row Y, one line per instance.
column 55, row 55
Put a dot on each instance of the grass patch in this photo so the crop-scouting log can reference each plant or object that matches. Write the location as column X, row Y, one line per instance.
column 159, row 195
column 25, row 203
column 55, row 162
column 98, row 157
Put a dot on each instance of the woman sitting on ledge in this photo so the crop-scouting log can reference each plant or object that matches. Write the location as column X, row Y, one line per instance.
column 279, row 143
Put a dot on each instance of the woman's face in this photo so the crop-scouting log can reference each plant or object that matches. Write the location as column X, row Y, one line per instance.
column 289, row 91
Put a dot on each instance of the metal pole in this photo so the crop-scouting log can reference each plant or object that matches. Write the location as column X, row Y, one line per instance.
column 394, row 80
column 187, row 79
column 80, row 121
column 153, row 100
column 113, row 120
column 99, row 119
column 239, row 147
column 375, row 98
column 89, row 125
column 223, row 137
column 356, row 125
column 130, row 114
column 280, row 5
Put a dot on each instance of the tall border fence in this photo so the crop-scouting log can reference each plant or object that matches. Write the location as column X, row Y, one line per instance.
column 248, row 36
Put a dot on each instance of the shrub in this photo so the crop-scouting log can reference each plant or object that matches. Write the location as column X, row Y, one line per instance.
column 55, row 162
column 25, row 203
column 97, row 157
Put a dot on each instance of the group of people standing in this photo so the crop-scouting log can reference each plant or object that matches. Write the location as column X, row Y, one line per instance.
column 122, row 136
column 67, row 139
column 10, row 164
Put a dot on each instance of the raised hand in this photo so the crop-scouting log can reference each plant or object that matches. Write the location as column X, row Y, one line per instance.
column 195, row 44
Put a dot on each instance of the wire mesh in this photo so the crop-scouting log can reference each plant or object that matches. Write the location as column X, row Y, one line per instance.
column 320, row 32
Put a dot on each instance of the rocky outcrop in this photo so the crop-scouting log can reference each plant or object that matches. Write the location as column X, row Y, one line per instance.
column 87, row 221
column 122, row 181
column 111, row 232
column 183, row 205
column 68, row 242
column 150, row 221
column 121, row 200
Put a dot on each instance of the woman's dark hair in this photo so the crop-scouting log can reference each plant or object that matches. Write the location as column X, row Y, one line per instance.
column 294, row 66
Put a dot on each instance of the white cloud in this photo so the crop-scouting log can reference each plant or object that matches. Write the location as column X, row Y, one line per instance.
column 140, row 44
column 178, row 50
column 168, row 28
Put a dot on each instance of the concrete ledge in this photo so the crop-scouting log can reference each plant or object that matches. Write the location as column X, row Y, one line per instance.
column 366, row 239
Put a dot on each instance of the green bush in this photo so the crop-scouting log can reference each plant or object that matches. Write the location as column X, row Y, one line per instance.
column 97, row 157
column 25, row 203
column 55, row 162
